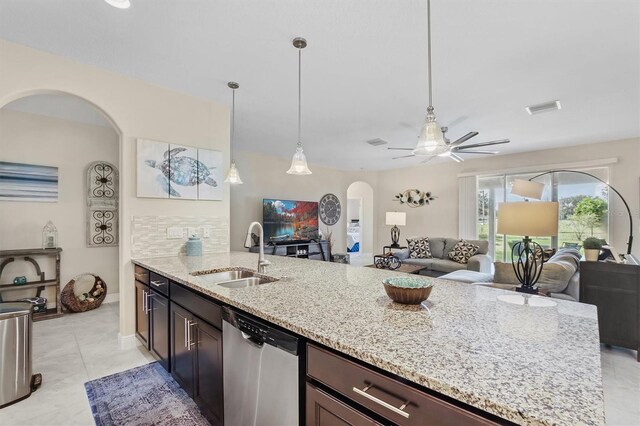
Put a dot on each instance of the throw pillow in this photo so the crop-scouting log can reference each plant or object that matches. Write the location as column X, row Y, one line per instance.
column 555, row 275
column 463, row 251
column 419, row 248
column 504, row 273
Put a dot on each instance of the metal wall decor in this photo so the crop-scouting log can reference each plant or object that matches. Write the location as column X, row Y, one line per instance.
column 415, row 198
column 102, row 204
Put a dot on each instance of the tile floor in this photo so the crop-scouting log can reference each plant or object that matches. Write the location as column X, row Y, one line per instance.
column 71, row 350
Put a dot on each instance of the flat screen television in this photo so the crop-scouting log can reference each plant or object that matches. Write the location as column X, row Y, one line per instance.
column 287, row 220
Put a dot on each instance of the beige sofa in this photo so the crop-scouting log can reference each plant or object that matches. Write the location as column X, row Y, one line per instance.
column 560, row 276
column 440, row 264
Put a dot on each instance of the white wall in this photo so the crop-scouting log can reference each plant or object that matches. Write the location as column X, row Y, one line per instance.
column 137, row 109
column 264, row 177
column 70, row 146
column 441, row 217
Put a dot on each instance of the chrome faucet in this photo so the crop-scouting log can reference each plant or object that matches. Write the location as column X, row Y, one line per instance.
column 262, row 262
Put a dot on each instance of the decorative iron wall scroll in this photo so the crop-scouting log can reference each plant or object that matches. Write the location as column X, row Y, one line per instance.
column 102, row 204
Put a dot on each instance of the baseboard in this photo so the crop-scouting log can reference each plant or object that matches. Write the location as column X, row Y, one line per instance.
column 127, row 342
column 111, row 298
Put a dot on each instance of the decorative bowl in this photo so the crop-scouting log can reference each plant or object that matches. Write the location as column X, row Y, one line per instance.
column 408, row 290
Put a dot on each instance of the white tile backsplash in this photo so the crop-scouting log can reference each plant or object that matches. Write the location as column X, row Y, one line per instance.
column 149, row 235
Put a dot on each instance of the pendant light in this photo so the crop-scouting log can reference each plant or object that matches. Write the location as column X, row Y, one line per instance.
column 299, row 161
column 233, row 176
column 431, row 140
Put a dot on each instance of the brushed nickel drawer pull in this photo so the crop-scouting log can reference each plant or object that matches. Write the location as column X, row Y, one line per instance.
column 144, row 302
column 148, row 309
column 189, row 325
column 400, row 411
column 157, row 283
column 186, row 334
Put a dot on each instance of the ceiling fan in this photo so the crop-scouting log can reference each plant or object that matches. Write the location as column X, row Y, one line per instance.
column 455, row 148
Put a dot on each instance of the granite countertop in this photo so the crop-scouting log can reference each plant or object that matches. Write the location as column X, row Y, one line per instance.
column 532, row 365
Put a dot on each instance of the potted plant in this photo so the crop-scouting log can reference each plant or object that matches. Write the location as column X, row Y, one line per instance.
column 592, row 248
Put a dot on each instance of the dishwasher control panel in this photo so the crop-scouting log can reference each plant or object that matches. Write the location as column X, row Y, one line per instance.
column 261, row 331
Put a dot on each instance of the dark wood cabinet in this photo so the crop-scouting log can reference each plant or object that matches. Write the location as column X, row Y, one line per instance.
column 196, row 359
column 324, row 410
column 389, row 398
column 159, row 327
column 182, row 358
column 615, row 289
column 208, row 368
column 142, row 314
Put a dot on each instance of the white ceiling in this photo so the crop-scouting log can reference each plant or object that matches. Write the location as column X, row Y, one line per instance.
column 364, row 71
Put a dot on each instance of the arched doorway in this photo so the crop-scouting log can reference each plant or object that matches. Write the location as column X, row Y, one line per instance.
column 65, row 134
column 360, row 220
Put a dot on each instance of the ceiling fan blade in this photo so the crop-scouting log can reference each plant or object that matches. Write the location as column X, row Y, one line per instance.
column 477, row 145
column 456, row 158
column 401, row 149
column 464, row 138
column 457, row 121
column 403, row 156
column 476, row 152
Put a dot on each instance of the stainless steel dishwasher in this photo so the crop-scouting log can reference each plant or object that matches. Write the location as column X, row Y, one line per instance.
column 260, row 366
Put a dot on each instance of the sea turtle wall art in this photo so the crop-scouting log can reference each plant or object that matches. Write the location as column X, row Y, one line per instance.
column 178, row 172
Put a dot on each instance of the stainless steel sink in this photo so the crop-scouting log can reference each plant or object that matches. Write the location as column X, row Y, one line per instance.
column 233, row 277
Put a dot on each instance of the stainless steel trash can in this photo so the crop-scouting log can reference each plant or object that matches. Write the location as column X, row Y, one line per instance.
column 15, row 352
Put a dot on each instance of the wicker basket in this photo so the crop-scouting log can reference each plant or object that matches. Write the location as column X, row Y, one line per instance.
column 74, row 304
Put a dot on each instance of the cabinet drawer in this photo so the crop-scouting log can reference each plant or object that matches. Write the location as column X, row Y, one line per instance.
column 198, row 305
column 389, row 398
column 159, row 283
column 325, row 410
column 141, row 274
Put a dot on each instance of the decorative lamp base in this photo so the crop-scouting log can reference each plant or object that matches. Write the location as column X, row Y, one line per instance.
column 395, row 237
column 527, row 258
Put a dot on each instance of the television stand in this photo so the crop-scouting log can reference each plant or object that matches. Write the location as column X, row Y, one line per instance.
column 307, row 250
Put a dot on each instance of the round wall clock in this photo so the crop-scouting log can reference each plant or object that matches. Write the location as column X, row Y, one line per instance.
column 330, row 209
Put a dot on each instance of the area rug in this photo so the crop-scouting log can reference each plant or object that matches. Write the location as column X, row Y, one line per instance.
column 146, row 395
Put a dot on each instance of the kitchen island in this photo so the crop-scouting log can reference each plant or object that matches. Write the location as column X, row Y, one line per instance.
column 533, row 365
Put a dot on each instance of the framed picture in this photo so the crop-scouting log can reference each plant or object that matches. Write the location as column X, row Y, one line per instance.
column 184, row 172
column 178, row 172
column 152, row 169
column 210, row 185
column 28, row 182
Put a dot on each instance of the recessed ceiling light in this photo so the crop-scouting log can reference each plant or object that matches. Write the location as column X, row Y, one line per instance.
column 120, row 4
column 544, row 107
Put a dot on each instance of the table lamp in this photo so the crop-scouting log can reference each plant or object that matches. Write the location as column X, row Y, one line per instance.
column 396, row 219
column 524, row 218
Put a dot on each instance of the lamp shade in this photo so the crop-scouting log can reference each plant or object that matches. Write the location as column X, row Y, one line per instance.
column 396, row 218
column 299, row 163
column 528, row 219
column 233, row 176
column 527, row 189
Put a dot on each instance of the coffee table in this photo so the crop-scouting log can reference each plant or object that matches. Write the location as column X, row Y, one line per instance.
column 405, row 268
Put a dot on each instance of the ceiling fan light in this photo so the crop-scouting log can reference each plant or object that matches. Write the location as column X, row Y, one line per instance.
column 120, row 4
column 233, row 176
column 299, row 163
column 431, row 139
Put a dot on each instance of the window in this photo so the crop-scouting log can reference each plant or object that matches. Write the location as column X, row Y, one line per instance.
column 583, row 208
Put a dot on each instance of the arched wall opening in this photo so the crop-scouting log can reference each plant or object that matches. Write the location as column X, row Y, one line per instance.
column 67, row 132
column 360, row 205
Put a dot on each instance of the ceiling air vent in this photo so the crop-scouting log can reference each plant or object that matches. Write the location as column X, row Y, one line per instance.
column 377, row 142
column 545, row 107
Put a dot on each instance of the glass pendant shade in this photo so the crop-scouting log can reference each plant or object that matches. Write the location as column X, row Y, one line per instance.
column 299, row 163
column 233, row 176
column 120, row 4
column 431, row 140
